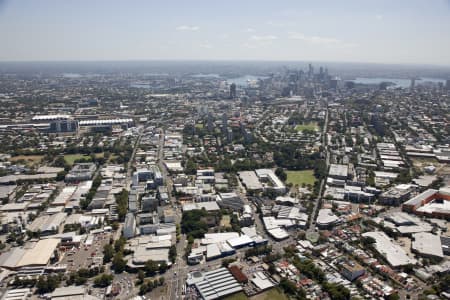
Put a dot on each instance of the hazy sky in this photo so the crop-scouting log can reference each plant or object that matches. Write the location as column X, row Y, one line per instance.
column 400, row 31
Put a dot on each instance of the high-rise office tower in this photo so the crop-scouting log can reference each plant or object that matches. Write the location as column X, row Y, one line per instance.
column 413, row 84
column 233, row 91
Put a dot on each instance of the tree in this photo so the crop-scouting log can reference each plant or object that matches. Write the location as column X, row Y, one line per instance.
column 281, row 174
column 103, row 280
column 191, row 167
column 141, row 276
column 61, row 175
column 47, row 284
column 336, row 291
column 118, row 263
column 394, row 296
column 60, row 162
column 119, row 244
column 162, row 267
column 227, row 261
column 192, row 223
column 41, row 285
column 122, row 204
column 161, row 280
column 151, row 267
column 290, row 288
column 143, row 289
column 173, row 253
column 108, row 253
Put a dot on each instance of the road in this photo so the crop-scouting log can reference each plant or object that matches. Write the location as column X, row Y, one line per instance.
column 312, row 219
column 130, row 162
column 176, row 275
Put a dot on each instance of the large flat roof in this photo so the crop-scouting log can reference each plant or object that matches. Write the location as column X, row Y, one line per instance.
column 250, row 180
column 40, row 254
column 428, row 244
column 215, row 284
column 338, row 170
column 326, row 217
column 214, row 238
column 393, row 253
column 422, row 196
column 208, row 206
column 68, row 291
column 104, row 122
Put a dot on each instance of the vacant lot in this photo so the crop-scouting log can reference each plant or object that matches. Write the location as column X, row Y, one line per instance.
column 238, row 296
column 300, row 177
column 307, row 126
column 30, row 160
column 225, row 221
column 273, row 294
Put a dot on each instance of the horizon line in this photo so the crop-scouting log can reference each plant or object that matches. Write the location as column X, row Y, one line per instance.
column 224, row 60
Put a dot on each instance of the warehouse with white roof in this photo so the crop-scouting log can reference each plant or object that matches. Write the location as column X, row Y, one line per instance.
column 427, row 244
column 393, row 253
column 214, row 284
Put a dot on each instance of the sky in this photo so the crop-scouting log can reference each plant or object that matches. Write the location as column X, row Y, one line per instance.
column 375, row 31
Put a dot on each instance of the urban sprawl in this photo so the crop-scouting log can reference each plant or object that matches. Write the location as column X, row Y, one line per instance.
column 291, row 184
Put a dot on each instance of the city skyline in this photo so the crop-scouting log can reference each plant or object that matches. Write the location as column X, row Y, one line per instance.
column 404, row 32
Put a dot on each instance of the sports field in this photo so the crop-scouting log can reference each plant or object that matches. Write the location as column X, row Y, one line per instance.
column 300, row 177
column 308, row 126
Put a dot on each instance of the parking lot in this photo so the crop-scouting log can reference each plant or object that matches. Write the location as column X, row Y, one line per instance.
column 87, row 254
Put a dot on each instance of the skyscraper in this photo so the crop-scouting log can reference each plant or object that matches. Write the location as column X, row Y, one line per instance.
column 413, row 84
column 224, row 123
column 310, row 70
column 233, row 91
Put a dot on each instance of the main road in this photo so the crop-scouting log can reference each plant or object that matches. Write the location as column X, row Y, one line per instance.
column 312, row 219
column 176, row 275
column 131, row 161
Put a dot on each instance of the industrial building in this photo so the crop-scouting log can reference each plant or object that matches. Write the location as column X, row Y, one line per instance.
column 81, row 172
column 262, row 179
column 276, row 227
column 397, row 195
column 57, row 123
column 64, row 197
column 270, row 181
column 230, row 200
column 47, row 224
column 427, row 244
column 34, row 254
column 208, row 206
column 405, row 224
column 393, row 253
column 326, row 218
column 101, row 125
column 338, row 171
column 432, row 203
column 214, row 284
column 149, row 247
column 17, row 294
column 250, row 181
column 129, row 228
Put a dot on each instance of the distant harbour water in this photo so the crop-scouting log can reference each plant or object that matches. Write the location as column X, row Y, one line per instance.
column 398, row 82
column 140, row 85
column 239, row 81
column 244, row 80
column 206, row 75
